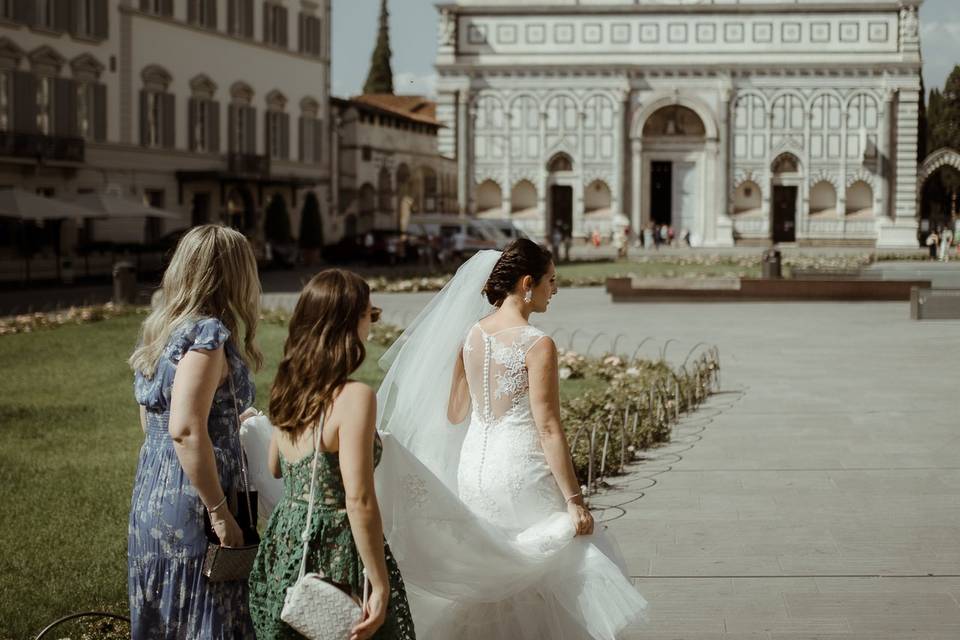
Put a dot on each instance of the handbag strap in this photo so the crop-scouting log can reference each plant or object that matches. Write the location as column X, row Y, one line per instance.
column 243, row 457
column 317, row 439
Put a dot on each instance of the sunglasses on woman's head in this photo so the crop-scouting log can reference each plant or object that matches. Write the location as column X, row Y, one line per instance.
column 375, row 313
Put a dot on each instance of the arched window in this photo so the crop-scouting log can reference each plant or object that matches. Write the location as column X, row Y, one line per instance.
column 560, row 162
column 823, row 199
column 597, row 197
column 489, row 198
column 787, row 113
column 825, row 127
column 490, row 135
column 860, row 199
column 747, row 198
column 675, row 120
column 523, row 198
column 561, row 114
column 525, row 128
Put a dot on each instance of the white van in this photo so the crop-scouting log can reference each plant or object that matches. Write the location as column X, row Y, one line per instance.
column 464, row 235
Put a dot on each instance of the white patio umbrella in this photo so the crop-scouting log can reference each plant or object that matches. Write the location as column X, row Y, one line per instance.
column 17, row 203
column 114, row 207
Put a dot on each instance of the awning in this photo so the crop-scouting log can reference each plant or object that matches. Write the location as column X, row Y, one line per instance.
column 113, row 207
column 17, row 203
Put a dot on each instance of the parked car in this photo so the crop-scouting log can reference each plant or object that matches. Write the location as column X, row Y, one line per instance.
column 461, row 236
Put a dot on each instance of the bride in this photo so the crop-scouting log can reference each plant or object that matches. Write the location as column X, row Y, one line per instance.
column 487, row 520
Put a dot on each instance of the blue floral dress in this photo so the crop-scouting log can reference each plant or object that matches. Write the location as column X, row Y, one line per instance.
column 169, row 596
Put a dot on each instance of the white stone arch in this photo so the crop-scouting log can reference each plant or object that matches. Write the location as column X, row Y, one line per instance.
column 524, row 196
column 660, row 100
column 524, row 173
column 860, row 92
column 520, row 95
column 867, row 203
column 758, row 177
column 490, row 120
column 819, row 93
column 752, row 93
column 490, row 176
column 825, row 176
column 821, row 202
column 862, row 175
column 490, row 197
column 557, row 93
column 597, row 196
column 787, row 149
column 942, row 157
column 603, row 174
column 560, row 96
column 788, row 93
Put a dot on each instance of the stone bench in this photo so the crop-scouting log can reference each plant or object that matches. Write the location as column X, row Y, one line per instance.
column 934, row 304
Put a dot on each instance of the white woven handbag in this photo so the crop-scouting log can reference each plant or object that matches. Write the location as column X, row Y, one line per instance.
column 313, row 606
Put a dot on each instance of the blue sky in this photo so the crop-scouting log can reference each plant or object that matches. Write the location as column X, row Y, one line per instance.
column 413, row 25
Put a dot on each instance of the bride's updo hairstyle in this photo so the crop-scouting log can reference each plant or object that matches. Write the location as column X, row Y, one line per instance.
column 322, row 351
column 522, row 257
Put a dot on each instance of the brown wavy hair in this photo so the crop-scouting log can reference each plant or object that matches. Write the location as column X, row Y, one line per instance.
column 322, row 351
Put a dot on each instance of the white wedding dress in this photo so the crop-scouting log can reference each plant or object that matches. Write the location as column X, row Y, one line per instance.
column 473, row 513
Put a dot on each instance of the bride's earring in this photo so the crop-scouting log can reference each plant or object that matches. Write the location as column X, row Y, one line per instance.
column 528, row 296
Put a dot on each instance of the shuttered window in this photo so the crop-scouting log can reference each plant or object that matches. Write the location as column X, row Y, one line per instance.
column 240, row 18
column 309, row 35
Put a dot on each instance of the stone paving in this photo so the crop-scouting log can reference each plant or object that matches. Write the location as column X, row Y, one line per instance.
column 816, row 497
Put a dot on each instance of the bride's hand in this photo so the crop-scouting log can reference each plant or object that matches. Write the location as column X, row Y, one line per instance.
column 582, row 518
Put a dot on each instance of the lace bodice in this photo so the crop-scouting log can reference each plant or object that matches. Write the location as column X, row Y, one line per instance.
column 496, row 369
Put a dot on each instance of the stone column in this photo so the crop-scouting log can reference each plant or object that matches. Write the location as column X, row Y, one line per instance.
column 636, row 199
column 723, row 224
column 901, row 230
column 618, row 141
column 464, row 159
column 543, row 196
column 883, row 151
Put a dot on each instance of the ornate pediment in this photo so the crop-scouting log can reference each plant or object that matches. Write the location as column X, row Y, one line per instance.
column 203, row 87
column 45, row 58
column 86, row 67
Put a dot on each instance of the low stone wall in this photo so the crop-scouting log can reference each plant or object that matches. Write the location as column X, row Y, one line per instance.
column 779, row 290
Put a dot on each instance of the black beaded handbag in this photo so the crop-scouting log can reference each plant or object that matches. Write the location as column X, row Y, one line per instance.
column 223, row 564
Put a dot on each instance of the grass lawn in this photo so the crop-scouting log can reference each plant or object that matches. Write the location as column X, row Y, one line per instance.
column 69, row 438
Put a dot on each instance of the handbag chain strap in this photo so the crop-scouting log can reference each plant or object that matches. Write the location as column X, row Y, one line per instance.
column 243, row 462
column 317, row 439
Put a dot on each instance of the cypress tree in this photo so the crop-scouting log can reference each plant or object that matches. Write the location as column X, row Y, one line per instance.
column 311, row 227
column 380, row 77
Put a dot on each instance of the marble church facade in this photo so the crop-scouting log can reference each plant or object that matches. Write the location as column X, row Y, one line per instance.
column 740, row 121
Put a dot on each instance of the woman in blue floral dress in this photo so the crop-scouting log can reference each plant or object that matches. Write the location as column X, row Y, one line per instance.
column 200, row 331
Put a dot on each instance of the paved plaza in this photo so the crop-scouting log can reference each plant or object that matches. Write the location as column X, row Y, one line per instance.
column 816, row 497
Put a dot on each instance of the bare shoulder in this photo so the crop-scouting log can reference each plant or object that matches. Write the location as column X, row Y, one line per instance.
column 543, row 352
column 357, row 395
column 544, row 347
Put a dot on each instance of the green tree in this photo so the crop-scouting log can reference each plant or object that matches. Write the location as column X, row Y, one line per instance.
column 945, row 127
column 311, row 227
column 380, row 77
column 943, row 130
column 276, row 226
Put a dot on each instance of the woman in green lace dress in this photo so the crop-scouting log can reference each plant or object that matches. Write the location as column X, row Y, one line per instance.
column 324, row 347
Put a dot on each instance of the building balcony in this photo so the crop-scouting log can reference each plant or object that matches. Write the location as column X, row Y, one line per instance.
column 246, row 164
column 42, row 148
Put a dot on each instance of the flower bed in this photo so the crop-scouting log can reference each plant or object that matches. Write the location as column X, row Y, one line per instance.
column 29, row 322
column 630, row 406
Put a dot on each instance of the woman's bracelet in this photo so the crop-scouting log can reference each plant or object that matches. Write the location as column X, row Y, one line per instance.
column 574, row 496
column 222, row 502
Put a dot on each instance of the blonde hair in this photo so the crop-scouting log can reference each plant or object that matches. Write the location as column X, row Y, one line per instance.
column 213, row 273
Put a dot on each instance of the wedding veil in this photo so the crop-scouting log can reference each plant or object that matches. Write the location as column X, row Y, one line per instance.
column 412, row 399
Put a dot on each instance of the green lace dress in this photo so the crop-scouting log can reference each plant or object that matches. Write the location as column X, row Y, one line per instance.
column 332, row 550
